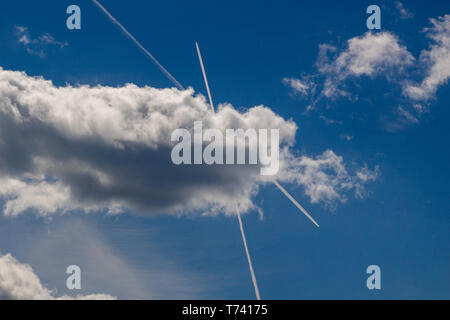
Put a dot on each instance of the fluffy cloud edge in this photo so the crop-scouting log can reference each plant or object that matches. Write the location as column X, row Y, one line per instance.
column 19, row 282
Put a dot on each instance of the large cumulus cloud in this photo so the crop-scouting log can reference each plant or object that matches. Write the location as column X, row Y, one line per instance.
column 108, row 149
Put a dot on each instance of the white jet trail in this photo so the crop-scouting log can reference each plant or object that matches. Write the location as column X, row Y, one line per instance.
column 276, row 182
column 179, row 86
column 252, row 272
column 295, row 202
column 140, row 46
column 250, row 265
column 204, row 76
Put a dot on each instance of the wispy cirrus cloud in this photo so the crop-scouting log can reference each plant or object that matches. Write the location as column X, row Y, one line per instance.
column 36, row 46
column 404, row 13
column 401, row 118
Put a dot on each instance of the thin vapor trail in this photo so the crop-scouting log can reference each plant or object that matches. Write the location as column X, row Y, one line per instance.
column 250, row 265
column 252, row 272
column 204, row 76
column 140, row 46
column 179, row 86
column 295, row 202
column 276, row 182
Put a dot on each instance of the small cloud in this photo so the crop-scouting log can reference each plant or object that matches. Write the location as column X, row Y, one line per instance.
column 435, row 62
column 22, row 34
column 21, row 29
column 330, row 121
column 370, row 55
column 50, row 40
column 327, row 179
column 346, row 137
column 404, row 13
column 39, row 45
column 401, row 119
column 363, row 176
column 303, row 87
column 406, row 115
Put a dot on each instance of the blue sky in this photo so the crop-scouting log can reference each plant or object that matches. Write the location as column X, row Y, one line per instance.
column 401, row 223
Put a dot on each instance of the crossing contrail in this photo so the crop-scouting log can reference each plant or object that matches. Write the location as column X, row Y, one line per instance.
column 276, row 182
column 244, row 240
column 252, row 272
column 140, row 46
column 179, row 86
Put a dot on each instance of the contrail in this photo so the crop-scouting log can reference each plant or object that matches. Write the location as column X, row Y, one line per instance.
column 252, row 272
column 140, row 46
column 179, row 86
column 295, row 202
column 276, row 183
column 204, row 76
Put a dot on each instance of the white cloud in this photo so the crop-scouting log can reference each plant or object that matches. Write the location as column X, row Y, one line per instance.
column 402, row 118
column 303, row 87
column 371, row 55
column 406, row 115
column 43, row 197
column 39, row 45
column 404, row 13
column 103, row 148
column 381, row 54
column 19, row 282
column 435, row 61
column 346, row 137
column 325, row 177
